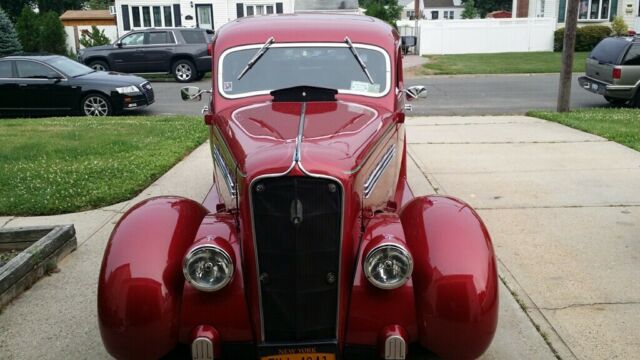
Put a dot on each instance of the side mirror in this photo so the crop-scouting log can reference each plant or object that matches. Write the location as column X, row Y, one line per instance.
column 415, row 92
column 119, row 44
column 192, row 93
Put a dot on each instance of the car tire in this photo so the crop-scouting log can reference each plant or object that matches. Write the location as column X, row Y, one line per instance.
column 99, row 65
column 184, row 71
column 96, row 105
column 636, row 100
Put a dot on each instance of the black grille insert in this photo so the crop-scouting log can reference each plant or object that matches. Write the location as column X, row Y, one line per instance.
column 297, row 223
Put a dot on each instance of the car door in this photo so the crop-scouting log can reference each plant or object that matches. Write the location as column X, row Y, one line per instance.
column 128, row 56
column 160, row 46
column 41, row 87
column 9, row 99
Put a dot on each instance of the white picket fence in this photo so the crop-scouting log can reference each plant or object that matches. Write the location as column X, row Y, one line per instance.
column 483, row 35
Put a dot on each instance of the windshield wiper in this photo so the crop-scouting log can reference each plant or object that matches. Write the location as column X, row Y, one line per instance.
column 257, row 57
column 358, row 58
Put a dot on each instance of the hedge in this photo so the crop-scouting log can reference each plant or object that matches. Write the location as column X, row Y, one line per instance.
column 587, row 37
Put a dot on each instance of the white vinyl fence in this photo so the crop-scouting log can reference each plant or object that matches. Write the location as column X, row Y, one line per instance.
column 483, row 35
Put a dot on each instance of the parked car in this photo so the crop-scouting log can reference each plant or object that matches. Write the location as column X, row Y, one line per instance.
column 182, row 52
column 52, row 83
column 613, row 70
column 310, row 244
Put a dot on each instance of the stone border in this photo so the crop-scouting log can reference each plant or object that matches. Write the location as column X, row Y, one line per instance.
column 43, row 247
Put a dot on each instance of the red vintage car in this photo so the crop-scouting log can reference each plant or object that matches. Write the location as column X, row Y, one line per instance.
column 310, row 245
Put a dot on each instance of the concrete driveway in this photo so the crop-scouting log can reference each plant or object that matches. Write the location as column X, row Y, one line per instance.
column 561, row 205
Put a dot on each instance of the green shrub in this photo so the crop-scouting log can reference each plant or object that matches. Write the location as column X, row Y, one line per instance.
column 9, row 42
column 619, row 27
column 587, row 37
column 95, row 37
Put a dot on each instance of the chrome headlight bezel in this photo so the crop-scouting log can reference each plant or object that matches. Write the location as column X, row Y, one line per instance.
column 208, row 247
column 399, row 250
column 129, row 90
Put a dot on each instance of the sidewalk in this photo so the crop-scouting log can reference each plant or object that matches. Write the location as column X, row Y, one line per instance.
column 561, row 206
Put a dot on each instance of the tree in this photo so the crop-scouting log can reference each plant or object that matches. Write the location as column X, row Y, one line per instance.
column 95, row 37
column 60, row 6
column 14, row 7
column 619, row 27
column 387, row 10
column 469, row 11
column 9, row 42
column 53, row 38
column 28, row 28
column 99, row 4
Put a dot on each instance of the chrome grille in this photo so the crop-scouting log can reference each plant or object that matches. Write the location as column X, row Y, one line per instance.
column 147, row 90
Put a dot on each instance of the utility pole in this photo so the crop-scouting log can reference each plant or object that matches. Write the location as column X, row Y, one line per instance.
column 571, row 23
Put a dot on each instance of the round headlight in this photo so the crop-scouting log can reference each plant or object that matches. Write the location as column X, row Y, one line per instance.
column 207, row 268
column 388, row 266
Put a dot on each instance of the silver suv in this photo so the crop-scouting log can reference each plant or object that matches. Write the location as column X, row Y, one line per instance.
column 613, row 70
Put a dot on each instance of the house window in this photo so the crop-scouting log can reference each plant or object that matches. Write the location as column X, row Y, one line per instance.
column 146, row 16
column 434, row 15
column 135, row 13
column 593, row 10
column 157, row 16
column 448, row 14
column 264, row 9
column 167, row 16
column 411, row 14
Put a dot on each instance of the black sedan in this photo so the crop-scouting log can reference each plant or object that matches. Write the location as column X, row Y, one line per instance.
column 52, row 83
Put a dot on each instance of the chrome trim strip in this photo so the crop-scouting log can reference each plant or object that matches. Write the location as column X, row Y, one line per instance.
column 228, row 177
column 218, row 135
column 296, row 153
column 375, row 147
column 374, row 177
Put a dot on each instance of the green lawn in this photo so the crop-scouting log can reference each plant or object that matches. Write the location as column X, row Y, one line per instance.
column 619, row 125
column 502, row 63
column 59, row 165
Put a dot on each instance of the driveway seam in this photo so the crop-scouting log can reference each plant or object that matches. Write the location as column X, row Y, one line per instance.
column 537, row 318
column 433, row 183
column 590, row 304
column 8, row 221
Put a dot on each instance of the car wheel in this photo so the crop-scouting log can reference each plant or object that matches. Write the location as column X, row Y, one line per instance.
column 99, row 65
column 184, row 71
column 96, row 105
column 636, row 99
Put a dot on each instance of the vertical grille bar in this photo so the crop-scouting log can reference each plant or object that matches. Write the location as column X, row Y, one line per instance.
column 297, row 222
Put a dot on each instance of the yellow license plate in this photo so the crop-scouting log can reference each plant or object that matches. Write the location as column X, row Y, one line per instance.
column 305, row 356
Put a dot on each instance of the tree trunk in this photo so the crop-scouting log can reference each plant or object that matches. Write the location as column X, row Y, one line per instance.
column 564, row 89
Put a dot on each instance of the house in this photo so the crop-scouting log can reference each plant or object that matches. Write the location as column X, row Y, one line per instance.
column 442, row 9
column 327, row 6
column 409, row 9
column 77, row 21
column 599, row 12
column 208, row 14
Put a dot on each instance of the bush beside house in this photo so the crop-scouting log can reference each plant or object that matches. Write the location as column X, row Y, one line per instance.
column 9, row 41
column 587, row 37
column 41, row 32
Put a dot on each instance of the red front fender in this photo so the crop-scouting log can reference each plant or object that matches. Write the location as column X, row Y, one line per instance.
column 141, row 281
column 455, row 278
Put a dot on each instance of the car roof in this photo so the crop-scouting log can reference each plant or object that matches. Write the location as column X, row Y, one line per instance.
column 307, row 28
column 41, row 57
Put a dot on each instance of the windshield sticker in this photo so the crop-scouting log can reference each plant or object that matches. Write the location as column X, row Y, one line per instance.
column 365, row 87
column 227, row 86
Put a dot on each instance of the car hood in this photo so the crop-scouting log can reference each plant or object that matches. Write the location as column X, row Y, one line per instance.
column 326, row 137
column 113, row 78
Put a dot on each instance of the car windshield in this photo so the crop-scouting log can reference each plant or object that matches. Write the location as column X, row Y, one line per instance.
column 286, row 65
column 69, row 67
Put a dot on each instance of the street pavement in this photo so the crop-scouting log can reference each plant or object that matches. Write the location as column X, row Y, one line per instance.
column 447, row 95
column 562, row 206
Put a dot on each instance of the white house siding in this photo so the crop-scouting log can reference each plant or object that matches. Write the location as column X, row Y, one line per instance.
column 223, row 11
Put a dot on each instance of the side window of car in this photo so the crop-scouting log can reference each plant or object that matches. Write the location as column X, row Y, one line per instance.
column 34, row 70
column 193, row 37
column 633, row 56
column 160, row 37
column 136, row 39
column 5, row 70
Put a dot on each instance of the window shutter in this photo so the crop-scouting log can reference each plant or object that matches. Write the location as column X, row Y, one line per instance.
column 614, row 9
column 562, row 9
column 239, row 10
column 279, row 8
column 126, row 22
column 177, row 16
